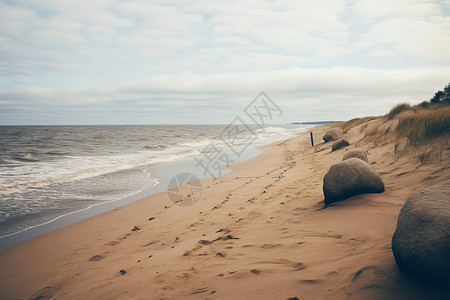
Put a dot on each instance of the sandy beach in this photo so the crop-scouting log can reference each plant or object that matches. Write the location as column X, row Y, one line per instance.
column 259, row 232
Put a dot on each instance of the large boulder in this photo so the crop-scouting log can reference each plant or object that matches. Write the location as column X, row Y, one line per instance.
column 331, row 135
column 357, row 153
column 421, row 242
column 341, row 143
column 350, row 177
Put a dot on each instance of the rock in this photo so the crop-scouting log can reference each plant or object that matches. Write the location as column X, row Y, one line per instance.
column 350, row 177
column 341, row 143
column 421, row 242
column 357, row 153
column 331, row 135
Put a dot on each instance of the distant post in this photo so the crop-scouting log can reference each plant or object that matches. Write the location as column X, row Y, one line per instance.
column 312, row 140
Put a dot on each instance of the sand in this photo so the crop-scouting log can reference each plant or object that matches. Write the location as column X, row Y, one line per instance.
column 256, row 233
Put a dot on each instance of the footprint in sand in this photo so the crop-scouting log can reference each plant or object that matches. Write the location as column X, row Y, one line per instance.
column 96, row 258
column 293, row 266
column 310, row 281
column 113, row 243
column 44, row 293
column 151, row 243
column 269, row 246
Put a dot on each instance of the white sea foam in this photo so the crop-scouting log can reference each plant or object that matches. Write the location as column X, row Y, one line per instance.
column 197, row 143
column 271, row 129
column 84, row 166
column 40, row 174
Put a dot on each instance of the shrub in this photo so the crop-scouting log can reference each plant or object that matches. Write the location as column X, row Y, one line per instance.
column 437, row 97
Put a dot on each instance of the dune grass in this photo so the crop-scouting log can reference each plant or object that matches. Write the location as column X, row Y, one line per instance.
column 424, row 125
column 355, row 122
column 397, row 110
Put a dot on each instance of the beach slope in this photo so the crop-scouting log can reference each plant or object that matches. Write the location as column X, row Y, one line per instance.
column 260, row 232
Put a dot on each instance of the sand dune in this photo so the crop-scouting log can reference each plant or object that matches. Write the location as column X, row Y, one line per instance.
column 257, row 233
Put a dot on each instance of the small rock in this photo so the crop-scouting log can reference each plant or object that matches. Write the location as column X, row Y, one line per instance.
column 152, row 218
column 356, row 153
column 255, row 271
column 136, row 228
column 331, row 135
column 339, row 144
column 230, row 237
column 123, row 272
column 204, row 242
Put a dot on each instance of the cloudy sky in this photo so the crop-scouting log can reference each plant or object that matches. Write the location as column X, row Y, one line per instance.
column 203, row 61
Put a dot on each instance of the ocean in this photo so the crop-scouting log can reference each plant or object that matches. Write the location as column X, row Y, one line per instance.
column 47, row 172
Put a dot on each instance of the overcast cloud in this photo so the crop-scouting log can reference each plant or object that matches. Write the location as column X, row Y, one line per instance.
column 199, row 61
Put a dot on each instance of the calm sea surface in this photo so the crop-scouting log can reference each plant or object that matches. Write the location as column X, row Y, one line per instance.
column 50, row 171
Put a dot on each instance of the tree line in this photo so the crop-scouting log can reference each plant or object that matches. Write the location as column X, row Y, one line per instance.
column 442, row 96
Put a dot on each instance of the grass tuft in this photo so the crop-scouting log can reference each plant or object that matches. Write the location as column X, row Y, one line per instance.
column 397, row 110
column 424, row 125
column 355, row 122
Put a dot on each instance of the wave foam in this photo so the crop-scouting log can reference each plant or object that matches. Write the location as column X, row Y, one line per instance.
column 78, row 168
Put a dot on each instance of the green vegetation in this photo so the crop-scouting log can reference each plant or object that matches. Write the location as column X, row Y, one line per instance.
column 442, row 96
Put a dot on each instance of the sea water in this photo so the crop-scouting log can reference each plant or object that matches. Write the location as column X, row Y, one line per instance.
column 51, row 171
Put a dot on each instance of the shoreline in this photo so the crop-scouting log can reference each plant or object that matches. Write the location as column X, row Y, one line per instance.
column 256, row 232
column 162, row 172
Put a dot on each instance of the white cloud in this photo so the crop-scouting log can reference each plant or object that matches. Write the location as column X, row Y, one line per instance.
column 332, row 92
column 12, row 19
column 160, row 54
column 370, row 9
column 420, row 38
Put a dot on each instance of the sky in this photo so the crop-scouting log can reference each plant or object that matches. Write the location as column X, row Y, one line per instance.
column 94, row 62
